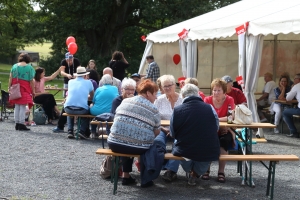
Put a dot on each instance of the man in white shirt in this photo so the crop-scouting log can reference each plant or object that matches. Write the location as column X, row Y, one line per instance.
column 288, row 113
column 268, row 95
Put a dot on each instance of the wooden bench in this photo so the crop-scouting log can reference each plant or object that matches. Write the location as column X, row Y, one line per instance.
column 273, row 159
column 79, row 120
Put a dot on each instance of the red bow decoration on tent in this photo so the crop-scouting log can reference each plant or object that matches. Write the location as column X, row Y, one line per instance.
column 239, row 80
column 183, row 33
column 242, row 29
column 143, row 38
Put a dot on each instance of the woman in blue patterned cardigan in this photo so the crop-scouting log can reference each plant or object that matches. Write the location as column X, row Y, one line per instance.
column 136, row 124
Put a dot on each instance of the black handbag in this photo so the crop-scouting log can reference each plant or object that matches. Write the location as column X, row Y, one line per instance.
column 104, row 117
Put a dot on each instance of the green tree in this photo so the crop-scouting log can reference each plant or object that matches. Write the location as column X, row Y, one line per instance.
column 103, row 26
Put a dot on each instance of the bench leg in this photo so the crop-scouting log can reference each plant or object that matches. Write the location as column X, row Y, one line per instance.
column 115, row 172
column 78, row 127
column 271, row 179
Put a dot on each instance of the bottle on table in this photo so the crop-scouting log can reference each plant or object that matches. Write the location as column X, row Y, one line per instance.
column 229, row 115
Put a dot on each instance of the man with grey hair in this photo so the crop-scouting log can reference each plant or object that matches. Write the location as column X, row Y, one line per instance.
column 116, row 82
column 194, row 125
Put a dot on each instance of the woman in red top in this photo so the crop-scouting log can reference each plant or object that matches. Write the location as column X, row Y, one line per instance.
column 220, row 101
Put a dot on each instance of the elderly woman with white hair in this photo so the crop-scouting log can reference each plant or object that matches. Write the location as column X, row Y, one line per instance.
column 166, row 104
column 103, row 98
column 128, row 90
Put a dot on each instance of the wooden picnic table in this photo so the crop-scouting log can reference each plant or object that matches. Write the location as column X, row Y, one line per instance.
column 56, row 89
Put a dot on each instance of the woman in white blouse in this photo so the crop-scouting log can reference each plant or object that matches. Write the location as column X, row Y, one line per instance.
column 165, row 104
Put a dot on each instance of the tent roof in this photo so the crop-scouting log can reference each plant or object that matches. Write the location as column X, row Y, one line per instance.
column 264, row 16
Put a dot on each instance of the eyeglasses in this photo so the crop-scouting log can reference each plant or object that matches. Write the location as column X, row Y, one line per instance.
column 296, row 78
column 168, row 86
column 127, row 89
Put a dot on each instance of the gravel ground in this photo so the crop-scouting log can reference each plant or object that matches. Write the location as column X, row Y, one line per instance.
column 39, row 164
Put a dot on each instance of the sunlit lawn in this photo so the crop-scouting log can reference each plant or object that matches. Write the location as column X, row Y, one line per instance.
column 42, row 49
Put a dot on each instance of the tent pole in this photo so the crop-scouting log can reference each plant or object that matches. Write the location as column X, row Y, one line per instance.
column 212, row 62
column 275, row 57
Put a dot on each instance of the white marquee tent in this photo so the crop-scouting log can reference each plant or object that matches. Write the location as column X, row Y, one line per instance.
column 212, row 41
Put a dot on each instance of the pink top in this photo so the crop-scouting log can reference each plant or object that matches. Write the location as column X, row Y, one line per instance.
column 39, row 86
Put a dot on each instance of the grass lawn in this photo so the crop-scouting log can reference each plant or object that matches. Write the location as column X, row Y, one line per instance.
column 42, row 49
column 5, row 68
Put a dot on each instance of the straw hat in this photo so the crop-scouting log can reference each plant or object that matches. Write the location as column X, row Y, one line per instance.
column 81, row 71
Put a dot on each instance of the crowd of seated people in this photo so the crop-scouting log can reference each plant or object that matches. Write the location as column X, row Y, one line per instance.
column 139, row 105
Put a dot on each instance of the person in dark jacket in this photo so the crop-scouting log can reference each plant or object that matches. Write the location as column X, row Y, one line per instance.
column 194, row 125
column 118, row 64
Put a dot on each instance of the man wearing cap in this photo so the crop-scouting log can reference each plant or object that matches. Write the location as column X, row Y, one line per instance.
column 116, row 82
column 71, row 65
column 79, row 91
column 181, row 81
column 268, row 96
column 236, row 94
column 153, row 71
column 137, row 78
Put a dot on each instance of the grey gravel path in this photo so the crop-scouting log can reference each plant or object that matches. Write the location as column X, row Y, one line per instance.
column 39, row 164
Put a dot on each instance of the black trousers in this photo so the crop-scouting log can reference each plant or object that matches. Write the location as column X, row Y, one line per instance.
column 62, row 120
column 126, row 161
column 48, row 102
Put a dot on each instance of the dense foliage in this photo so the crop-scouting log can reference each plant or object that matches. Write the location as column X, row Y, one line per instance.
column 99, row 26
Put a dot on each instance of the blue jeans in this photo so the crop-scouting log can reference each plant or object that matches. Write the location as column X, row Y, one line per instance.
column 84, row 122
column 199, row 167
column 288, row 118
column 172, row 165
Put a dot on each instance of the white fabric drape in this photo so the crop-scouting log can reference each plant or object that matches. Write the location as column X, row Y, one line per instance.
column 254, row 46
column 242, row 57
column 147, row 51
column 183, row 51
column 192, row 59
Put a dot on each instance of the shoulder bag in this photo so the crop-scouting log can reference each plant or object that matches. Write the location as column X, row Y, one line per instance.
column 14, row 90
column 243, row 115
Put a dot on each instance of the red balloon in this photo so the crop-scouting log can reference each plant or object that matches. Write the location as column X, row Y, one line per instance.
column 176, row 59
column 72, row 47
column 69, row 40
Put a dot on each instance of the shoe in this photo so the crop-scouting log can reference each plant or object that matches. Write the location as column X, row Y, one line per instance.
column 22, row 127
column 263, row 120
column 33, row 123
column 17, row 126
column 290, row 135
column 57, row 130
column 51, row 123
column 82, row 136
column 149, row 184
column 221, row 177
column 138, row 166
column 93, row 136
column 70, row 134
column 192, row 180
column 169, row 176
column 128, row 181
column 206, row 176
column 276, row 130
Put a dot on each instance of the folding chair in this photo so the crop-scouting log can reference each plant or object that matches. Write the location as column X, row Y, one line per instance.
column 6, row 107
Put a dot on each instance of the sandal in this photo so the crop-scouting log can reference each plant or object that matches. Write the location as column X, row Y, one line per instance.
column 221, row 177
column 206, row 176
